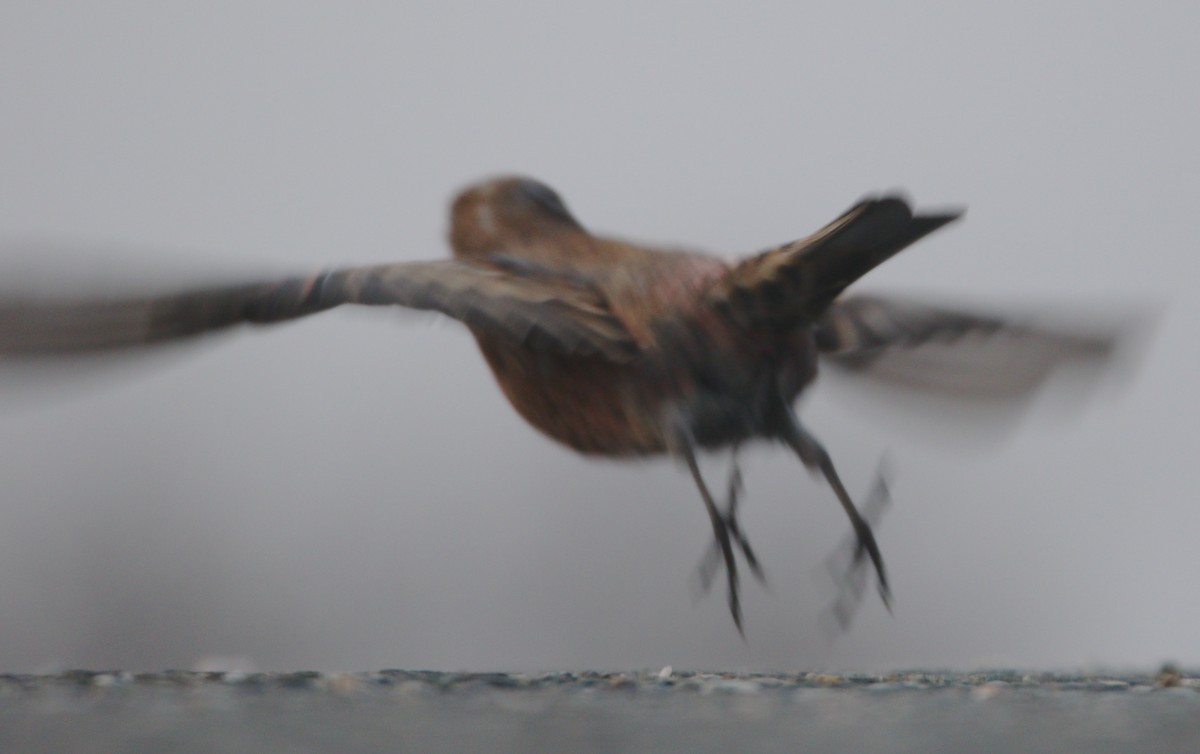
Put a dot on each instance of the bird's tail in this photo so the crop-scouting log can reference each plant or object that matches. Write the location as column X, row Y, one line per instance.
column 796, row 282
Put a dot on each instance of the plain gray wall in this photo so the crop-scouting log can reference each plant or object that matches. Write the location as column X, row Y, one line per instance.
column 353, row 492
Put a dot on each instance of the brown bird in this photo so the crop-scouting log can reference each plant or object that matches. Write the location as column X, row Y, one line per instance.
column 610, row 348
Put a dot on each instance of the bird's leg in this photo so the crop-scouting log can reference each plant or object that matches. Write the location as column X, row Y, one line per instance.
column 845, row 563
column 816, row 458
column 735, row 528
column 711, row 560
column 683, row 447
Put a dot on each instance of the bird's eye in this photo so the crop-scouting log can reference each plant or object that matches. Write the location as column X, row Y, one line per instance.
column 545, row 198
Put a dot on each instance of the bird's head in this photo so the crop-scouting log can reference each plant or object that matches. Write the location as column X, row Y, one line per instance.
column 497, row 215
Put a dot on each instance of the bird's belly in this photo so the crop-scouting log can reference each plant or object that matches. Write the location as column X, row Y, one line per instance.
column 590, row 404
column 600, row 407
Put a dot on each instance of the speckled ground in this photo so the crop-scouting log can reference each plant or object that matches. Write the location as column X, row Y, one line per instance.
column 395, row 710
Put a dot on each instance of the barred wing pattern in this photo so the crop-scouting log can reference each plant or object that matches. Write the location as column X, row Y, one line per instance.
column 535, row 310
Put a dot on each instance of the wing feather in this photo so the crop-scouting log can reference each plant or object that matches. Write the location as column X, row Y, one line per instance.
column 532, row 309
column 946, row 350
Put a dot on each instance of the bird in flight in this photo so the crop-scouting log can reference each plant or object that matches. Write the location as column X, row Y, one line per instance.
column 610, row 348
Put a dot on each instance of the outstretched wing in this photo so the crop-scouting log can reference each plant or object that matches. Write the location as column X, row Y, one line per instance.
column 796, row 282
column 951, row 351
column 530, row 307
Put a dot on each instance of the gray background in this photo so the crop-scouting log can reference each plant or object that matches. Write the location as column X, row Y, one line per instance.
column 352, row 491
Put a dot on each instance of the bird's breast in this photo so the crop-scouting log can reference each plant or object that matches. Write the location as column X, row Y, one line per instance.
column 721, row 382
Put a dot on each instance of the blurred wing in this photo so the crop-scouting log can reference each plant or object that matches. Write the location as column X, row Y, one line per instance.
column 530, row 307
column 949, row 351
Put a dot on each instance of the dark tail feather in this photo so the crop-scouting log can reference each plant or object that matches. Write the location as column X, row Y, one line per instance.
column 797, row 281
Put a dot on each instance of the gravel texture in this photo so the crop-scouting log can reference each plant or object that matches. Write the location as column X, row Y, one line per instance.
column 661, row 710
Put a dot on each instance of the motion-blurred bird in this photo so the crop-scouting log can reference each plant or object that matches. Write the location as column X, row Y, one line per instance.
column 607, row 347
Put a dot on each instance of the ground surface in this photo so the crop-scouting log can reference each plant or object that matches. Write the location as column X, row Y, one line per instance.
column 81, row 711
